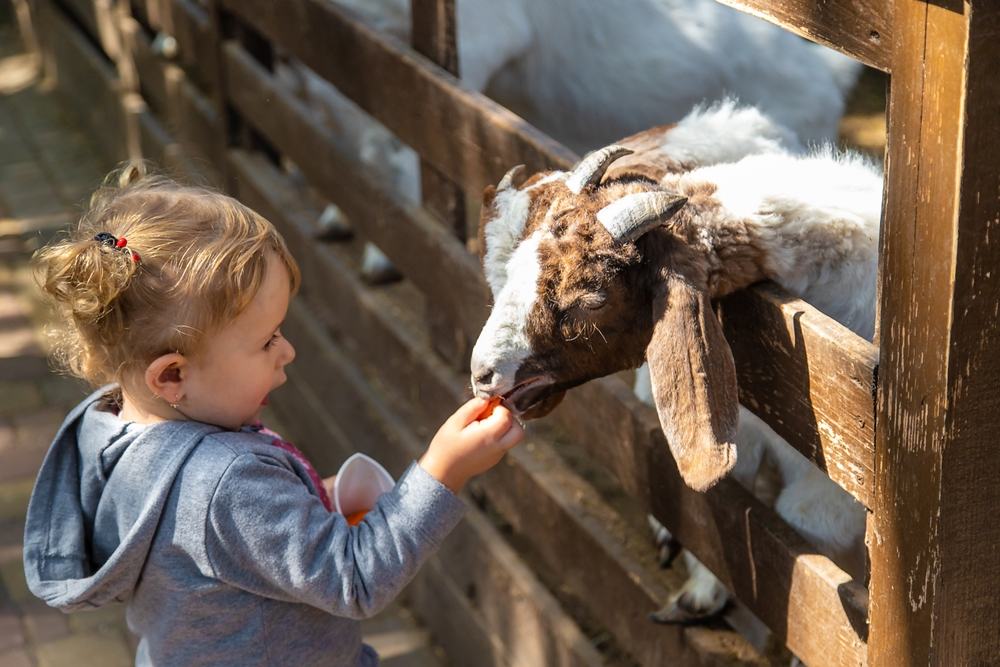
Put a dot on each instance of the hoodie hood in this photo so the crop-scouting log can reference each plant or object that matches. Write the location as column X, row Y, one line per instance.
column 98, row 501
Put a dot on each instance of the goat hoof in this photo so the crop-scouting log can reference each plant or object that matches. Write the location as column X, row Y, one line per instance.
column 668, row 548
column 376, row 269
column 668, row 552
column 381, row 275
column 683, row 609
column 332, row 225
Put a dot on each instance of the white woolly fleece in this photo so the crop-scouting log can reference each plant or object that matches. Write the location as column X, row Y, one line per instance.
column 818, row 215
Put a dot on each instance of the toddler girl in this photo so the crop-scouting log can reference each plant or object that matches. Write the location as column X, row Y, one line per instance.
column 161, row 492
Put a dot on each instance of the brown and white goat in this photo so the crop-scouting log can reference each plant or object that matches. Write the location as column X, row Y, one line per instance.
column 617, row 262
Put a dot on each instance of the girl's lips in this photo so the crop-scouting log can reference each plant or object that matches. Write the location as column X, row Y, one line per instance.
column 264, row 401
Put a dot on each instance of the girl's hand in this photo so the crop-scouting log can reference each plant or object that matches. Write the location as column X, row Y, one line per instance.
column 465, row 447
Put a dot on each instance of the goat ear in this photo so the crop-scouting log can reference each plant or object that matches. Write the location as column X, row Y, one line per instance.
column 694, row 383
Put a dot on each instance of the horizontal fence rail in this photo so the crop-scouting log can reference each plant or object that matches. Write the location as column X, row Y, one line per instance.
column 861, row 29
column 818, row 374
column 191, row 27
column 422, row 249
column 464, row 135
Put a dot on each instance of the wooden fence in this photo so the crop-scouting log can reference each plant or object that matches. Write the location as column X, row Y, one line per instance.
column 553, row 567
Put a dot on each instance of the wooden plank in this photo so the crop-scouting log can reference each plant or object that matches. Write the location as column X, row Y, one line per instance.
column 97, row 18
column 512, row 602
column 90, row 85
column 433, row 35
column 158, row 145
column 861, row 29
column 788, row 353
column 433, row 32
column 760, row 558
column 190, row 24
column 795, row 580
column 535, row 492
column 551, row 505
column 446, row 611
column 151, row 69
column 513, row 605
column 424, row 251
column 934, row 535
column 88, row 82
column 466, row 136
column 187, row 114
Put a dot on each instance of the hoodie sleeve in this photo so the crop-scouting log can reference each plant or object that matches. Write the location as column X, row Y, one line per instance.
column 266, row 533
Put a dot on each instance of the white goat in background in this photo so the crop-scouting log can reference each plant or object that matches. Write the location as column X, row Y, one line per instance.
column 589, row 71
column 616, row 262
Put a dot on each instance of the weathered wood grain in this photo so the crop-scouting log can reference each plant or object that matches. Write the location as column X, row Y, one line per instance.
column 188, row 115
column 788, row 353
column 190, row 24
column 97, row 18
column 158, row 145
column 934, row 536
column 466, row 136
column 433, row 35
column 87, row 81
column 861, row 29
column 759, row 557
column 418, row 245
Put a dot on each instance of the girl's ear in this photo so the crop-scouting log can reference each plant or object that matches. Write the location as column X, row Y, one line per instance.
column 165, row 376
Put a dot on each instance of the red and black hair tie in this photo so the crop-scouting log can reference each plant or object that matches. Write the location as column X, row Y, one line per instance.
column 110, row 240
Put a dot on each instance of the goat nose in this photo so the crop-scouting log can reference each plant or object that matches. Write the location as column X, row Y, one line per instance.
column 483, row 377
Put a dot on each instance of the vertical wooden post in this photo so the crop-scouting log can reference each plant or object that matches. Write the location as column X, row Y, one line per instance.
column 935, row 559
column 433, row 34
column 221, row 31
column 26, row 27
column 114, row 14
column 235, row 132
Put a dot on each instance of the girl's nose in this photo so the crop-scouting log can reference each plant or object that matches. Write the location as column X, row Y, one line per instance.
column 289, row 352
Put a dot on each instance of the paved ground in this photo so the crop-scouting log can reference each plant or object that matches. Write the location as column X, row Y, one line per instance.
column 47, row 167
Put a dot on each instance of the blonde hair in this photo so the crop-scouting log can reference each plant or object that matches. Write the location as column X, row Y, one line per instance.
column 194, row 260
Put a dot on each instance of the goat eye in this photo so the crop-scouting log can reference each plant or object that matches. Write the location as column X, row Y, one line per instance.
column 594, row 301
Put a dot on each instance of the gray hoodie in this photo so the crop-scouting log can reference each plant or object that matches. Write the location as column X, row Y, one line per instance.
column 217, row 542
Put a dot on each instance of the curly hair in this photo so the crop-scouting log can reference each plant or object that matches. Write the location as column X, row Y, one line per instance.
column 194, row 260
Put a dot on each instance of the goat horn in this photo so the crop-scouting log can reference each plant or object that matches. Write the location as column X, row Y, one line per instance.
column 592, row 168
column 508, row 179
column 633, row 215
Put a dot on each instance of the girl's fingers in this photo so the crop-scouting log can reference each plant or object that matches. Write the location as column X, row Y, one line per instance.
column 513, row 436
column 498, row 422
column 468, row 412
